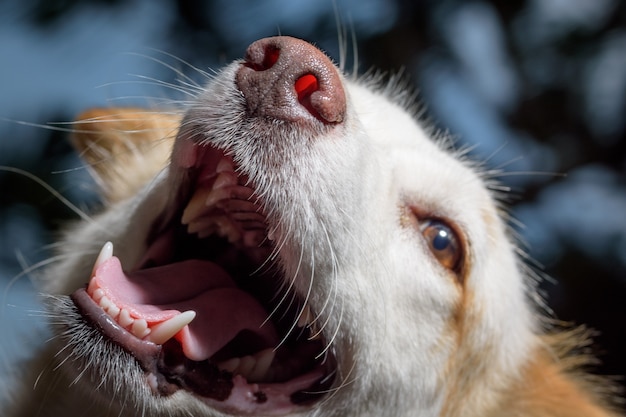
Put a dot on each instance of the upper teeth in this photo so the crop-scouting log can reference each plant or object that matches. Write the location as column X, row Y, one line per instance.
column 225, row 165
column 157, row 333
column 224, row 207
column 196, row 205
column 307, row 319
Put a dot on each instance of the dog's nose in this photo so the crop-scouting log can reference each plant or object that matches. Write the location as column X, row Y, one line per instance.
column 290, row 79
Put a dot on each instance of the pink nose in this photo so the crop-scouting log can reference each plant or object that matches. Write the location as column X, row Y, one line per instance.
column 290, row 79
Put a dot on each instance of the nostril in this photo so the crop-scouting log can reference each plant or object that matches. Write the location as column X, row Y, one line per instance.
column 306, row 85
column 289, row 79
column 266, row 60
column 271, row 56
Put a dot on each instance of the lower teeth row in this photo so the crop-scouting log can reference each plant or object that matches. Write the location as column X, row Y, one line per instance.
column 157, row 333
column 254, row 368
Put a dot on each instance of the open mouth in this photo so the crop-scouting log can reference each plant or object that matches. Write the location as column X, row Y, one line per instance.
column 207, row 309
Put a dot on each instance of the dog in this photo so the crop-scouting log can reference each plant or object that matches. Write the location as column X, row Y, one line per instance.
column 295, row 243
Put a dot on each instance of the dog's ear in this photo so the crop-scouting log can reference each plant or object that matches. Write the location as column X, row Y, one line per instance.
column 124, row 147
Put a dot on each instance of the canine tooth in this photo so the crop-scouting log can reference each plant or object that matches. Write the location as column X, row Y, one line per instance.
column 264, row 360
column 196, row 206
column 229, row 365
column 124, row 318
column 140, row 328
column 164, row 331
column 105, row 254
column 246, row 366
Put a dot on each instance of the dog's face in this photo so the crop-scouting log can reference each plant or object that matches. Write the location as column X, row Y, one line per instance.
column 309, row 250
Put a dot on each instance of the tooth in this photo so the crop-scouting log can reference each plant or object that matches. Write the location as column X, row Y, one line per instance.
column 245, row 366
column 163, row 332
column 104, row 302
column 242, row 207
column 229, row 365
column 202, row 224
column 225, row 179
column 196, row 206
column 228, row 192
column 225, row 165
column 105, row 254
column 124, row 318
column 140, row 328
column 153, row 382
column 97, row 295
column 92, row 287
column 113, row 310
column 216, row 195
column 305, row 317
column 226, row 228
column 248, row 219
column 263, row 362
column 315, row 332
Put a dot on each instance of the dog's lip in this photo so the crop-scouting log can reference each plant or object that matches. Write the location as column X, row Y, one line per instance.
column 229, row 393
column 241, row 396
column 146, row 353
column 216, row 310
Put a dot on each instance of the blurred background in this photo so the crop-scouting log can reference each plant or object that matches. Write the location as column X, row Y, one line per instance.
column 537, row 88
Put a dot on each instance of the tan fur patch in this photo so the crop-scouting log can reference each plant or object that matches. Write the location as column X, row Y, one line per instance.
column 114, row 140
column 554, row 385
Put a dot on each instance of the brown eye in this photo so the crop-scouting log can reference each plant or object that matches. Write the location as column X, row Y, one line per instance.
column 443, row 243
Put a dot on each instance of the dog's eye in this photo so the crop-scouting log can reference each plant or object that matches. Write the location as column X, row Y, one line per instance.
column 443, row 243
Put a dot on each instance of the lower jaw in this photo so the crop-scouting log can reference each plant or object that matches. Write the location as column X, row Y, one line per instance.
column 226, row 392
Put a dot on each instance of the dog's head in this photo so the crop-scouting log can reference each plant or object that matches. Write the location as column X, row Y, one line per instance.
column 309, row 249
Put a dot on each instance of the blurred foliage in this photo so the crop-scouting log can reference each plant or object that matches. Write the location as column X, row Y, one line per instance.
column 561, row 68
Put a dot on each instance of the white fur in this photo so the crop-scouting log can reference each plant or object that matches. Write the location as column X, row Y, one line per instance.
column 336, row 203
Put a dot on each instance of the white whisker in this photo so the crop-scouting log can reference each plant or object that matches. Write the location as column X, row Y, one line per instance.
column 50, row 189
column 185, row 78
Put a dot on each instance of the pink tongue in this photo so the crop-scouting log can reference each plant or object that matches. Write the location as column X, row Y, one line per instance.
column 160, row 293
